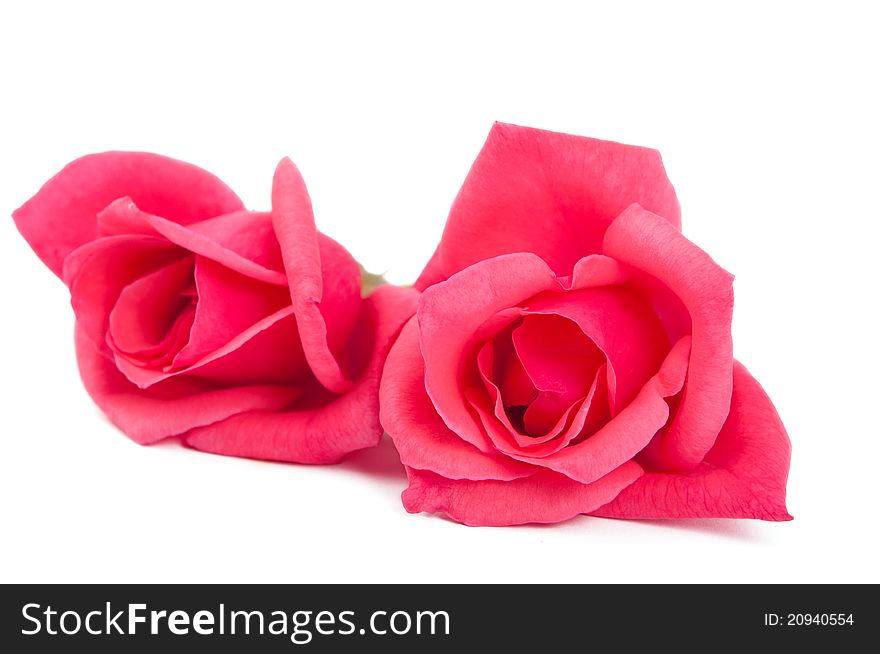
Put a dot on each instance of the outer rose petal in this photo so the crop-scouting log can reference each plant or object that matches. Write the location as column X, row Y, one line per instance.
column 553, row 194
column 340, row 300
column 326, row 433
column 419, row 434
column 172, row 408
column 306, row 262
column 650, row 244
column 743, row 475
column 543, row 497
column 62, row 215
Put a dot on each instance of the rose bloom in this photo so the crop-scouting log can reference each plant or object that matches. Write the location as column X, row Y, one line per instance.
column 572, row 354
column 243, row 331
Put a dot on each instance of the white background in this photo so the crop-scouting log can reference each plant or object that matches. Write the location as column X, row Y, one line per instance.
column 766, row 115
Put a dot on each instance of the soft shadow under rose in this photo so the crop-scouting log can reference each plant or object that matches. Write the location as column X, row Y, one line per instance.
column 243, row 331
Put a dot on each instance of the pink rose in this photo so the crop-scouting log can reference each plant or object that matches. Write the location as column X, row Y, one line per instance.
column 243, row 331
column 571, row 352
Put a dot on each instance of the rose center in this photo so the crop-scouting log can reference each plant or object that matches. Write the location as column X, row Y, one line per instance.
column 544, row 366
column 152, row 316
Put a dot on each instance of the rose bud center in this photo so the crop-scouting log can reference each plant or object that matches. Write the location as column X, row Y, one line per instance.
column 547, row 377
column 152, row 318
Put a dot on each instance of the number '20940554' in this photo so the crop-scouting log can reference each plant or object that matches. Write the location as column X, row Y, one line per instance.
column 808, row 619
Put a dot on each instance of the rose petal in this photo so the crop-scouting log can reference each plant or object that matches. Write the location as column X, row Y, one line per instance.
column 147, row 308
column 743, row 475
column 597, row 270
column 561, row 361
column 267, row 355
column 622, row 326
column 249, row 234
column 451, row 313
column 162, row 353
column 322, row 434
column 516, row 386
column 628, row 433
column 419, row 434
column 499, row 352
column 260, row 344
column 170, row 408
column 650, row 244
column 97, row 272
column 341, row 298
column 325, row 291
column 62, row 215
column 228, row 304
column 124, row 216
column 544, row 497
column 505, row 437
column 552, row 194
